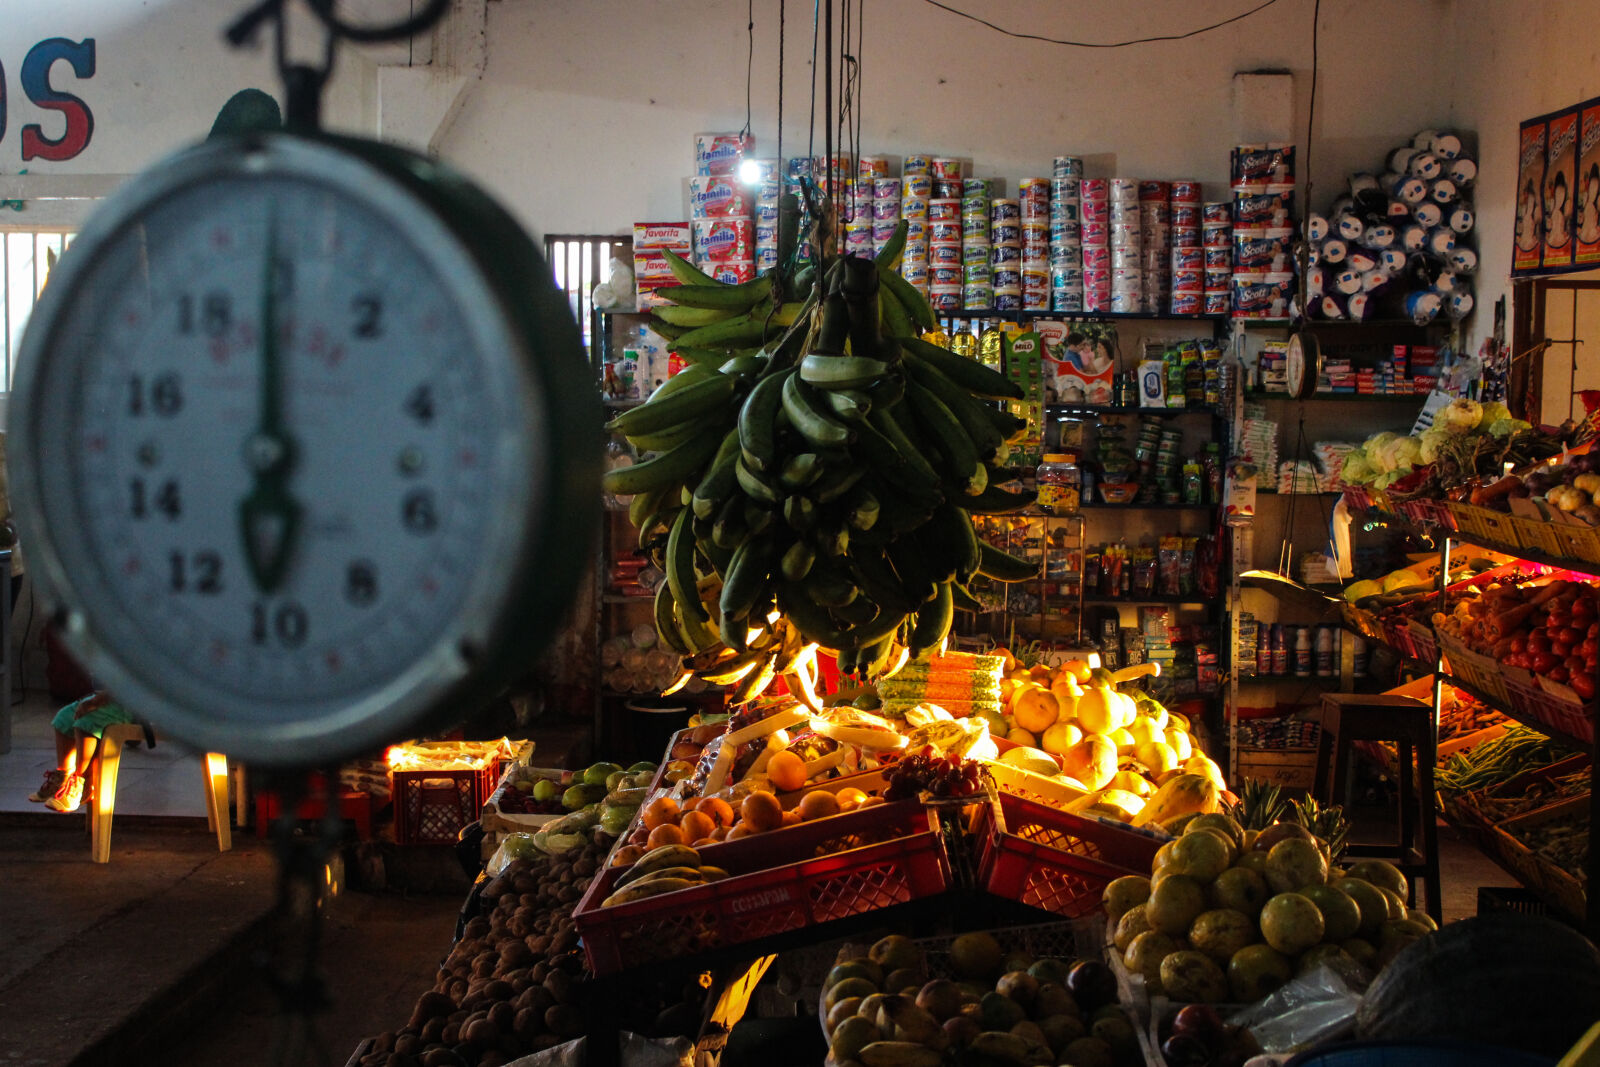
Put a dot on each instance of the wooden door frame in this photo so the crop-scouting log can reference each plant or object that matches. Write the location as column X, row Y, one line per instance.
column 1529, row 329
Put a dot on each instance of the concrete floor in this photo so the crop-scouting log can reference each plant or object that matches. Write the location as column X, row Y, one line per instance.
column 150, row 958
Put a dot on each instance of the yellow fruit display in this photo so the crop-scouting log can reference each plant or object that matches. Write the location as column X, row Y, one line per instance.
column 1158, row 757
column 1144, row 730
column 1018, row 736
column 1099, row 711
column 1133, row 782
column 1064, row 687
column 1123, row 740
column 1093, row 761
column 1205, row 767
column 1060, row 737
column 1180, row 742
column 1035, row 709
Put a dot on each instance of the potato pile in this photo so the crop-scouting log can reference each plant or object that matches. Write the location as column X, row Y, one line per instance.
column 514, row 983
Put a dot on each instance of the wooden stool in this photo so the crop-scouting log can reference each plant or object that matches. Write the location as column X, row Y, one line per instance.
column 1408, row 723
column 102, row 789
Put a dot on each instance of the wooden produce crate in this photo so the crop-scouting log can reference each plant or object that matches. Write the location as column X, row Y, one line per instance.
column 1290, row 768
column 1554, row 882
column 1551, row 703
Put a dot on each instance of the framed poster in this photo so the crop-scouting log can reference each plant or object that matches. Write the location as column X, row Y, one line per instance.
column 1586, row 208
column 1526, row 256
column 1560, row 189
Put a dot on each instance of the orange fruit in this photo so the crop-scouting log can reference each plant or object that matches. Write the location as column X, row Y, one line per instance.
column 761, row 812
column 703, row 842
column 659, row 812
column 817, row 804
column 718, row 809
column 696, row 824
column 736, row 831
column 690, row 803
column 791, row 818
column 625, row 855
column 850, row 798
column 871, row 802
column 786, row 771
column 665, row 834
column 719, row 834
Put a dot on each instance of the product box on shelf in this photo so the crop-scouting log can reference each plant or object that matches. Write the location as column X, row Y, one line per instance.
column 440, row 787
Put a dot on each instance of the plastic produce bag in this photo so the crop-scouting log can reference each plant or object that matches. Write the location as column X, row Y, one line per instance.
column 1314, row 1008
column 635, row 1051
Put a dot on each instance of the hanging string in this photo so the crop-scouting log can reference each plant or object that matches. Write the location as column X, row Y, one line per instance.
column 1100, row 44
column 781, row 24
column 861, row 22
column 811, row 128
column 827, row 111
column 750, row 65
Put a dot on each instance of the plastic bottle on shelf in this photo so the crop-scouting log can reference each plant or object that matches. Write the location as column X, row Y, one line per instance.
column 1359, row 656
column 1060, row 484
column 1193, row 484
column 1212, row 463
column 1302, row 652
column 1325, row 652
column 1280, row 649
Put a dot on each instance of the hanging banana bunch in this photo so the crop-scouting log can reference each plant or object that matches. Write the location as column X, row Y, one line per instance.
column 815, row 474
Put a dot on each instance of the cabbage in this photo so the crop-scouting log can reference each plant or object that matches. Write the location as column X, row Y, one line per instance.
column 1508, row 426
column 1356, row 469
column 1429, row 443
column 1459, row 416
column 1493, row 412
column 1400, row 455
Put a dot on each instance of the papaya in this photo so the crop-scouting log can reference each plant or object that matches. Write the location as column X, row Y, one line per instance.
column 1180, row 795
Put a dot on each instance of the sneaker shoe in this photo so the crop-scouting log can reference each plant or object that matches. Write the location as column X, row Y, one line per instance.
column 52, row 782
column 69, row 796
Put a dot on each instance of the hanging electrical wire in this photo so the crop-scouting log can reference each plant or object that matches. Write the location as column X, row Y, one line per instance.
column 1101, row 44
column 749, row 66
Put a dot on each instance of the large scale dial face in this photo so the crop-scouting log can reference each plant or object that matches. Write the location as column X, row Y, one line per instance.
column 281, row 454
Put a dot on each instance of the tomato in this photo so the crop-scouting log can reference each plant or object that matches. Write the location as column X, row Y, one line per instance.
column 1558, row 673
column 1574, row 663
column 1583, row 612
column 1570, row 634
column 1538, row 641
column 1556, row 619
column 1542, row 662
column 1594, row 630
column 1582, row 683
column 1588, row 647
column 1560, row 649
column 1519, row 643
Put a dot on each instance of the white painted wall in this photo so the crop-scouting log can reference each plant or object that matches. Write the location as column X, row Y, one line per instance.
column 1514, row 61
column 583, row 119
column 162, row 72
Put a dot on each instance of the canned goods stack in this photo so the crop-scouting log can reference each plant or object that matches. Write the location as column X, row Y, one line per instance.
column 916, row 189
column 946, row 172
column 945, row 274
column 977, row 246
column 855, row 207
column 722, row 209
column 1005, row 233
column 1127, row 246
column 1187, row 258
column 1033, row 200
column 1095, row 223
column 766, row 190
column 1263, row 230
column 1155, row 243
column 1399, row 239
column 882, row 194
column 1216, row 236
column 1066, row 235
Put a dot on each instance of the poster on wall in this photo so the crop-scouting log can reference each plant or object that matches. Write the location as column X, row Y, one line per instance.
column 1530, row 198
column 1586, row 212
column 1560, row 189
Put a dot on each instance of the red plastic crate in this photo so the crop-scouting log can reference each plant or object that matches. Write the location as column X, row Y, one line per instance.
column 431, row 807
column 902, row 858
column 1054, row 860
